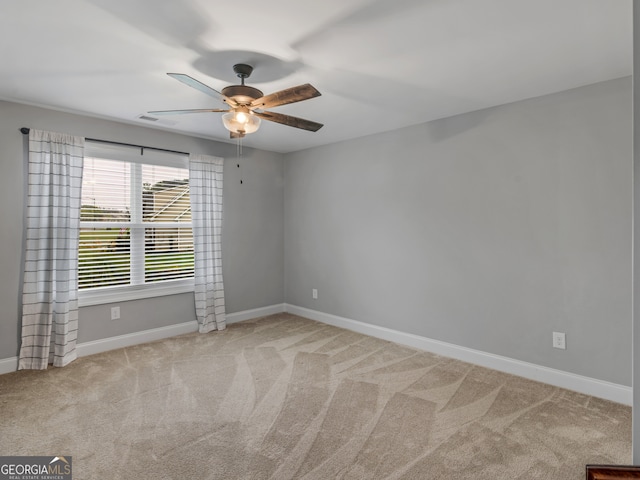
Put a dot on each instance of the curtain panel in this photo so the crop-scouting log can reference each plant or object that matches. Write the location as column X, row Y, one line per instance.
column 205, row 190
column 50, row 285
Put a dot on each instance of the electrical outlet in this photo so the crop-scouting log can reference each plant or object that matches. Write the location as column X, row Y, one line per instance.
column 115, row 313
column 314, row 293
column 559, row 340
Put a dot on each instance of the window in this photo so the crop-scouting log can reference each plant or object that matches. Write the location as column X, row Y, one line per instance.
column 135, row 226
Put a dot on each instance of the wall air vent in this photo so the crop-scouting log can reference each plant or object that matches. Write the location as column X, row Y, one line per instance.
column 148, row 118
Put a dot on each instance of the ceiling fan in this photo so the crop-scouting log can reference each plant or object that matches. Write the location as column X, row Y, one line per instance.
column 247, row 105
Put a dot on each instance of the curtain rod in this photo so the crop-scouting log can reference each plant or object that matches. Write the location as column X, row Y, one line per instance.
column 25, row 131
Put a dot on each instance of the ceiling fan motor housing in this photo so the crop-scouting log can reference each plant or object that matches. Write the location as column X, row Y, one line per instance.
column 243, row 94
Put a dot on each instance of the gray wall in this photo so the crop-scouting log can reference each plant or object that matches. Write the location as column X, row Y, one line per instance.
column 252, row 236
column 488, row 230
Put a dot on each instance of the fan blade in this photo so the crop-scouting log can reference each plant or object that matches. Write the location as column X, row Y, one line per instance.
column 180, row 112
column 193, row 83
column 289, row 95
column 290, row 121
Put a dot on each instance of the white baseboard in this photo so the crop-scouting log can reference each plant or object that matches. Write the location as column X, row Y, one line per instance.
column 255, row 313
column 578, row 383
column 111, row 343
column 8, row 365
column 83, row 349
column 586, row 385
column 136, row 338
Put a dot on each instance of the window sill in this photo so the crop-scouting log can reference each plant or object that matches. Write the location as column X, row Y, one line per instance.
column 101, row 296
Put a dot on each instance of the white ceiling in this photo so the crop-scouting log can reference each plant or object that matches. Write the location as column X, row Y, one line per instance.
column 380, row 64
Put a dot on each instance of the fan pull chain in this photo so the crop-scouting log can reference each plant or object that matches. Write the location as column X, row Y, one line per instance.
column 239, row 155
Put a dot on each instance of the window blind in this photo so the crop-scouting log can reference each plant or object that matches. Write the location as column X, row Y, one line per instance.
column 135, row 223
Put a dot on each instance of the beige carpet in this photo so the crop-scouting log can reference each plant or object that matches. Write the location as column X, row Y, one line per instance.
column 285, row 397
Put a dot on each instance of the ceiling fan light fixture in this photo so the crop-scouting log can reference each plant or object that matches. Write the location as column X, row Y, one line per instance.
column 241, row 121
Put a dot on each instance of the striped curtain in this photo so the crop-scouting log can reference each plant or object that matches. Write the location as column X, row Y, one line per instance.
column 205, row 190
column 50, row 288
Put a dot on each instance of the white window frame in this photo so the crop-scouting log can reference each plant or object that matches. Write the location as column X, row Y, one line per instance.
column 138, row 289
